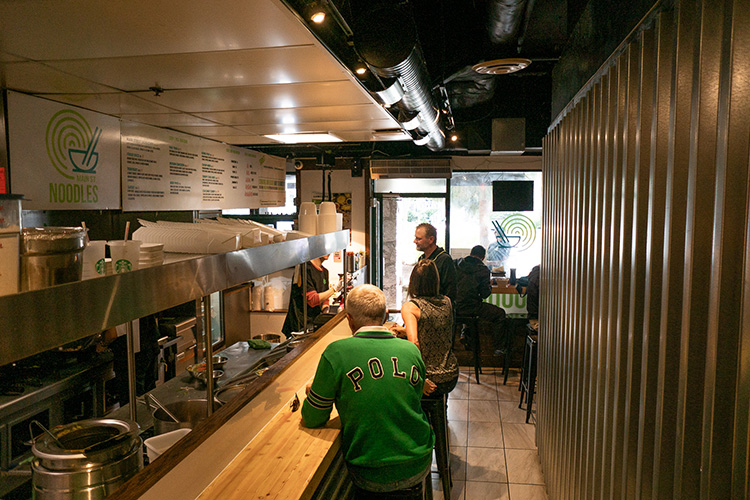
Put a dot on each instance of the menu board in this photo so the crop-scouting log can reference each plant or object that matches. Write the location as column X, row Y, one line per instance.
column 167, row 170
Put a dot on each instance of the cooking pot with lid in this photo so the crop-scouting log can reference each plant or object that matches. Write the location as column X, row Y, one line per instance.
column 85, row 460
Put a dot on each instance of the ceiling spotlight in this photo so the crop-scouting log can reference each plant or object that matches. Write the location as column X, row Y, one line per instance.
column 361, row 70
column 454, row 138
column 318, row 17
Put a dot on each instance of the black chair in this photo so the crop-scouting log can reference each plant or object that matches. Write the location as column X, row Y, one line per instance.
column 422, row 491
column 528, row 374
column 472, row 324
column 437, row 414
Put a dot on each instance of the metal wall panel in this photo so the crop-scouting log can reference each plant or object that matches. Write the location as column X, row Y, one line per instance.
column 644, row 359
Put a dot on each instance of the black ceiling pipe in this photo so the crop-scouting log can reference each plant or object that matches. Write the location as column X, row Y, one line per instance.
column 504, row 20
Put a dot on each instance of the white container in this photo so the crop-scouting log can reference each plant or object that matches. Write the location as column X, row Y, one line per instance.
column 339, row 221
column 308, row 218
column 93, row 259
column 157, row 445
column 125, row 255
column 9, row 263
column 256, row 302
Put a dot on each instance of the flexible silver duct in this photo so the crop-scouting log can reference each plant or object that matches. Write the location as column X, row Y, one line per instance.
column 504, row 19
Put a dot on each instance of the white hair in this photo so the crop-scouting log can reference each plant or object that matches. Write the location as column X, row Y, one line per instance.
column 366, row 306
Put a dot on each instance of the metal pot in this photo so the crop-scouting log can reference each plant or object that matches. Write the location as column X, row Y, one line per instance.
column 51, row 256
column 85, row 460
column 189, row 413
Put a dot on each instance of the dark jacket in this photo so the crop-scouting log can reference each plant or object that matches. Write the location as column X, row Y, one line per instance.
column 446, row 271
column 473, row 285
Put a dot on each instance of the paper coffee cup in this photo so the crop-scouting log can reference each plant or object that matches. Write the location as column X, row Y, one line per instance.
column 125, row 255
column 93, row 259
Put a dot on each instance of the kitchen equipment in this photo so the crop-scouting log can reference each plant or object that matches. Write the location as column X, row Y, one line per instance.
column 157, row 403
column 157, row 445
column 189, row 413
column 269, row 337
column 88, row 459
column 227, row 393
column 51, row 256
column 198, row 371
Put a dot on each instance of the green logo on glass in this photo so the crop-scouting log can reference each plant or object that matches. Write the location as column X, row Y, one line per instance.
column 122, row 266
column 516, row 231
column 71, row 144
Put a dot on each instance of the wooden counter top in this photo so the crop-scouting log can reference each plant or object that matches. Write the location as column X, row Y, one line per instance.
column 261, row 451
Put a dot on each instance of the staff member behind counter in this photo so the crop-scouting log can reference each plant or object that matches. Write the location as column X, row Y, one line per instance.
column 319, row 291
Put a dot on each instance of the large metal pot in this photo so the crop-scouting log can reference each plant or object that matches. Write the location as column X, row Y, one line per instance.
column 51, row 256
column 85, row 460
column 189, row 413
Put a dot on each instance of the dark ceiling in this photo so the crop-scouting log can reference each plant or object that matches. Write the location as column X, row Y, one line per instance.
column 454, row 35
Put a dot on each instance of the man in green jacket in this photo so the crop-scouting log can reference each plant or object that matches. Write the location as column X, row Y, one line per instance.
column 376, row 381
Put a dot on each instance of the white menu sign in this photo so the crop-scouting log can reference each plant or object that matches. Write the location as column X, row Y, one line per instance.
column 62, row 157
column 167, row 170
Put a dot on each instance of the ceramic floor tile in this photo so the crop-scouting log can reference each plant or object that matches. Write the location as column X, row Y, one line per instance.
column 510, row 413
column 486, row 464
column 458, row 463
column 461, row 391
column 508, row 392
column 457, row 492
column 483, row 391
column 458, row 431
column 527, row 492
column 519, row 436
column 476, row 490
column 524, row 467
column 458, row 409
column 483, row 411
column 485, row 434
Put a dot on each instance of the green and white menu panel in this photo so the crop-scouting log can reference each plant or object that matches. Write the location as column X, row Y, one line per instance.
column 62, row 157
column 167, row 170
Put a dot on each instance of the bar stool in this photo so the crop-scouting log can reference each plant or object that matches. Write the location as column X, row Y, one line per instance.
column 472, row 322
column 436, row 409
column 422, row 491
column 528, row 375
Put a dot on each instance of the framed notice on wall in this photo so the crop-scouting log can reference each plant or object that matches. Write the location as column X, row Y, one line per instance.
column 62, row 157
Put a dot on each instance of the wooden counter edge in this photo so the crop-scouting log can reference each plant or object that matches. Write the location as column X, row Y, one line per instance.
column 136, row 486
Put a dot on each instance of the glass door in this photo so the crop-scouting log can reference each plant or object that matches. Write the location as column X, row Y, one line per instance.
column 399, row 217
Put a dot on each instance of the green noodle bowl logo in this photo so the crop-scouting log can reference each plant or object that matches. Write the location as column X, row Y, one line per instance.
column 71, row 144
column 518, row 231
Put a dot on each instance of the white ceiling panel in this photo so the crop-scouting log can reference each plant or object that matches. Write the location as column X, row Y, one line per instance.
column 209, row 69
column 78, row 29
column 116, row 104
column 212, row 131
column 259, row 97
column 301, row 115
column 245, row 139
column 318, row 127
column 169, row 120
column 37, row 78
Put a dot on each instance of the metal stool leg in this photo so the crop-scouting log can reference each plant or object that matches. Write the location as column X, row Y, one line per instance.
column 477, row 353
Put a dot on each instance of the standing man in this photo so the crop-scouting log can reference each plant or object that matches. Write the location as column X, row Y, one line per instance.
column 376, row 382
column 424, row 238
column 319, row 290
column 473, row 287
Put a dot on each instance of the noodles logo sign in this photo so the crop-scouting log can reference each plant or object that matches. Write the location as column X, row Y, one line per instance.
column 518, row 231
column 71, row 147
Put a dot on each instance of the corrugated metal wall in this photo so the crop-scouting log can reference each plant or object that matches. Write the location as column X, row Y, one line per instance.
column 644, row 359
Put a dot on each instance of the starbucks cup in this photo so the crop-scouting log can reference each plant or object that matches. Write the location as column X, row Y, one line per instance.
column 93, row 259
column 125, row 255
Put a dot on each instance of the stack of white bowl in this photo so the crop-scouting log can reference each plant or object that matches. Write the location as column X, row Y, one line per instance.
column 152, row 254
column 327, row 219
column 308, row 218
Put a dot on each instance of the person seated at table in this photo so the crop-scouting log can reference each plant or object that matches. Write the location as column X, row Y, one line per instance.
column 428, row 323
column 376, row 382
column 319, row 290
column 473, row 279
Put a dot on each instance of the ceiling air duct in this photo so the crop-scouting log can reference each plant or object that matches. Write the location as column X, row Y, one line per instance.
column 386, row 38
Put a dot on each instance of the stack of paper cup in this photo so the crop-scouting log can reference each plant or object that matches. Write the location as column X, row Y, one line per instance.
column 93, row 260
column 125, row 255
column 151, row 254
column 327, row 218
column 308, row 218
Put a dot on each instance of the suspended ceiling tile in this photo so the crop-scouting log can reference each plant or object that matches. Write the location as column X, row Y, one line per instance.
column 319, row 127
column 370, row 135
column 168, row 120
column 79, row 29
column 116, row 104
column 209, row 69
column 298, row 115
column 245, row 140
column 261, row 97
column 35, row 78
column 212, row 131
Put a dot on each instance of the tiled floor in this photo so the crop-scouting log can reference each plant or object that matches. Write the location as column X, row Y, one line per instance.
column 493, row 451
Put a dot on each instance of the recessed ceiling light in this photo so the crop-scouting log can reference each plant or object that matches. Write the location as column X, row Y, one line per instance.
column 318, row 17
column 304, row 138
column 361, row 70
column 454, row 138
column 501, row 66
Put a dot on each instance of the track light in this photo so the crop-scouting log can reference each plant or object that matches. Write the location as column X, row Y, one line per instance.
column 361, row 70
column 318, row 17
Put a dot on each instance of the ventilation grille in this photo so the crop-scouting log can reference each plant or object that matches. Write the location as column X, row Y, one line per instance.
column 501, row 66
column 411, row 169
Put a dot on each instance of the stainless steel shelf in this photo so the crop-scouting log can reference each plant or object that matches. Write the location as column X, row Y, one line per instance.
column 36, row 321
